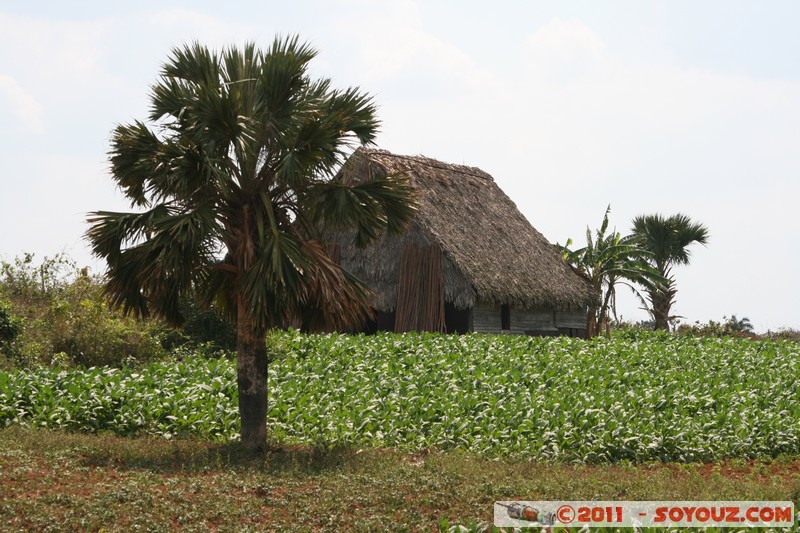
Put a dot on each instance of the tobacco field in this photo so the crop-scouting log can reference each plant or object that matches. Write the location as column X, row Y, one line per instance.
column 636, row 396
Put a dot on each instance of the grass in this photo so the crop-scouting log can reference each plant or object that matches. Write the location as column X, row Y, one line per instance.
column 57, row 481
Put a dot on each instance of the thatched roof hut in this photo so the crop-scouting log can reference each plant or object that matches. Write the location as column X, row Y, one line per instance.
column 468, row 249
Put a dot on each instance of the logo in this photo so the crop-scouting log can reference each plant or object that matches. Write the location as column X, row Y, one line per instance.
column 527, row 513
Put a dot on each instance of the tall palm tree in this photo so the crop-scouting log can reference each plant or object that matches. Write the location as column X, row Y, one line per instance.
column 233, row 181
column 609, row 259
column 668, row 240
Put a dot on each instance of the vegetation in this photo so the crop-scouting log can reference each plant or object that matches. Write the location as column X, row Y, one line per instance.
column 9, row 327
column 668, row 240
column 56, row 312
column 235, row 177
column 733, row 326
column 639, row 396
column 643, row 259
column 54, row 481
column 233, row 181
column 786, row 334
column 52, row 312
column 607, row 260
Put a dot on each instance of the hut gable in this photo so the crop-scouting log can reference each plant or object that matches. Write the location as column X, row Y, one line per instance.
column 491, row 253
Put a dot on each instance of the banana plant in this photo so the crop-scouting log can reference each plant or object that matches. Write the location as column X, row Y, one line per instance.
column 609, row 259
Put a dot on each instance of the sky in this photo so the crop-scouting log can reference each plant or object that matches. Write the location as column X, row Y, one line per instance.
column 650, row 107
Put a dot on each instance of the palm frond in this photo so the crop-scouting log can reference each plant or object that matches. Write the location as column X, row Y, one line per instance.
column 238, row 159
column 152, row 256
column 195, row 64
column 333, row 299
column 135, row 158
column 111, row 232
column 668, row 238
column 371, row 207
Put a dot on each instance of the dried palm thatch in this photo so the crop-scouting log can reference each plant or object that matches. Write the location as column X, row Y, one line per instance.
column 420, row 290
column 489, row 251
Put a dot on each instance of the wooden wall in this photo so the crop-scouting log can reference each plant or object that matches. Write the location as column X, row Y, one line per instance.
column 574, row 319
column 571, row 323
column 486, row 319
column 533, row 322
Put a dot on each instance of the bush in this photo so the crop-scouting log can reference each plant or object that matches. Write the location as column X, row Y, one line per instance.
column 786, row 334
column 729, row 327
column 204, row 326
column 9, row 326
column 60, row 309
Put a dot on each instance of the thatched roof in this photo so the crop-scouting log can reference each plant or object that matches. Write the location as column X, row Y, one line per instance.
column 491, row 252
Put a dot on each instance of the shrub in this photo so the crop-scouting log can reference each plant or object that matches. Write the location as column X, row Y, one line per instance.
column 729, row 327
column 60, row 309
column 785, row 334
column 204, row 326
column 9, row 326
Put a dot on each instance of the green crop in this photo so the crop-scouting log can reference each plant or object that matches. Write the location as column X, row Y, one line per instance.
column 645, row 397
column 183, row 399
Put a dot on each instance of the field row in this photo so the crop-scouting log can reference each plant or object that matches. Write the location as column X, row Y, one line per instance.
column 642, row 397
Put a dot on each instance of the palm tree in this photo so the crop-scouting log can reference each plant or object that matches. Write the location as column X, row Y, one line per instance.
column 668, row 240
column 234, row 180
column 607, row 260
column 743, row 325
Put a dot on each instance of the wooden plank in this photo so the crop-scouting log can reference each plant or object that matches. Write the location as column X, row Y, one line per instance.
column 486, row 318
column 572, row 319
column 526, row 320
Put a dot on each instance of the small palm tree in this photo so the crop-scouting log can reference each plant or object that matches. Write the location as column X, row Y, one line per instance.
column 743, row 325
column 609, row 259
column 668, row 240
column 235, row 179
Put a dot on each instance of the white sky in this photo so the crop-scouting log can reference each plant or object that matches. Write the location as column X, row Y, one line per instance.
column 659, row 106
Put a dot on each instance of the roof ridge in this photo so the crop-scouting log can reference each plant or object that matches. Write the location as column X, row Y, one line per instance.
column 435, row 163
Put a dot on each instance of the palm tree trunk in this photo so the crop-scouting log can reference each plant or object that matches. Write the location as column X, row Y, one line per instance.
column 661, row 306
column 251, row 367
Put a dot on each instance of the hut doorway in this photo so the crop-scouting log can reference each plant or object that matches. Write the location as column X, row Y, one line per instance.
column 457, row 320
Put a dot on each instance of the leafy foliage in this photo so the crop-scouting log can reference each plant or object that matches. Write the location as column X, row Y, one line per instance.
column 207, row 325
column 57, row 309
column 235, row 179
column 189, row 398
column 9, row 326
column 668, row 240
column 733, row 326
column 786, row 334
column 637, row 396
column 607, row 260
